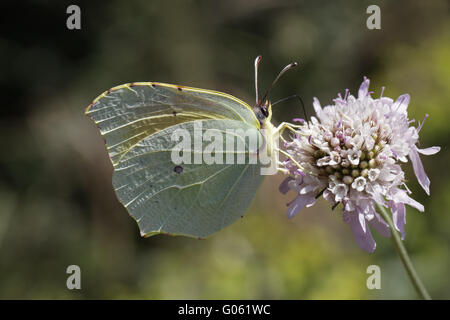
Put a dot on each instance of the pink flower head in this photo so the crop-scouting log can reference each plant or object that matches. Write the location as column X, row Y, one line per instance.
column 351, row 152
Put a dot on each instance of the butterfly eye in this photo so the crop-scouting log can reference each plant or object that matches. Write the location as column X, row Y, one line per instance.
column 264, row 111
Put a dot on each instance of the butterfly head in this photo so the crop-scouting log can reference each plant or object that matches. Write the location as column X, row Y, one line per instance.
column 263, row 107
column 263, row 111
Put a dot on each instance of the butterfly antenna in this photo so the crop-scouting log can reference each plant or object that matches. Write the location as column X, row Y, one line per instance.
column 292, row 97
column 257, row 60
column 288, row 67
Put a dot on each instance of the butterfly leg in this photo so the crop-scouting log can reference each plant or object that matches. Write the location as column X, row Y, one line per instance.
column 279, row 131
column 286, row 125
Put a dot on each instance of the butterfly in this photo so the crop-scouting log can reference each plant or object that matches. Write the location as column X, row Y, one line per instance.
column 138, row 122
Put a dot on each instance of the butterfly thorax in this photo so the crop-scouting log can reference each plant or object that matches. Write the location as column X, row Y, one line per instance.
column 263, row 112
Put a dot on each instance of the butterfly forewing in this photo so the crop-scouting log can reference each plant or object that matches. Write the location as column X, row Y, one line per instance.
column 129, row 113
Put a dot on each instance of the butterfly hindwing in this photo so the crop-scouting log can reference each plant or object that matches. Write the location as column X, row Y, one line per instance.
column 187, row 199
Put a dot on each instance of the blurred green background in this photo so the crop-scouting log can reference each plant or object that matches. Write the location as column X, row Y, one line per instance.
column 57, row 205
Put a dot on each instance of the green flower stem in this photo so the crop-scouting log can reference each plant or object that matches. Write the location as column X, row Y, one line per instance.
column 401, row 250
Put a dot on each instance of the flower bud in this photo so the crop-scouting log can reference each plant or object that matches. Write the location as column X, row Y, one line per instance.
column 363, row 164
column 364, row 173
column 334, row 142
column 347, row 179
